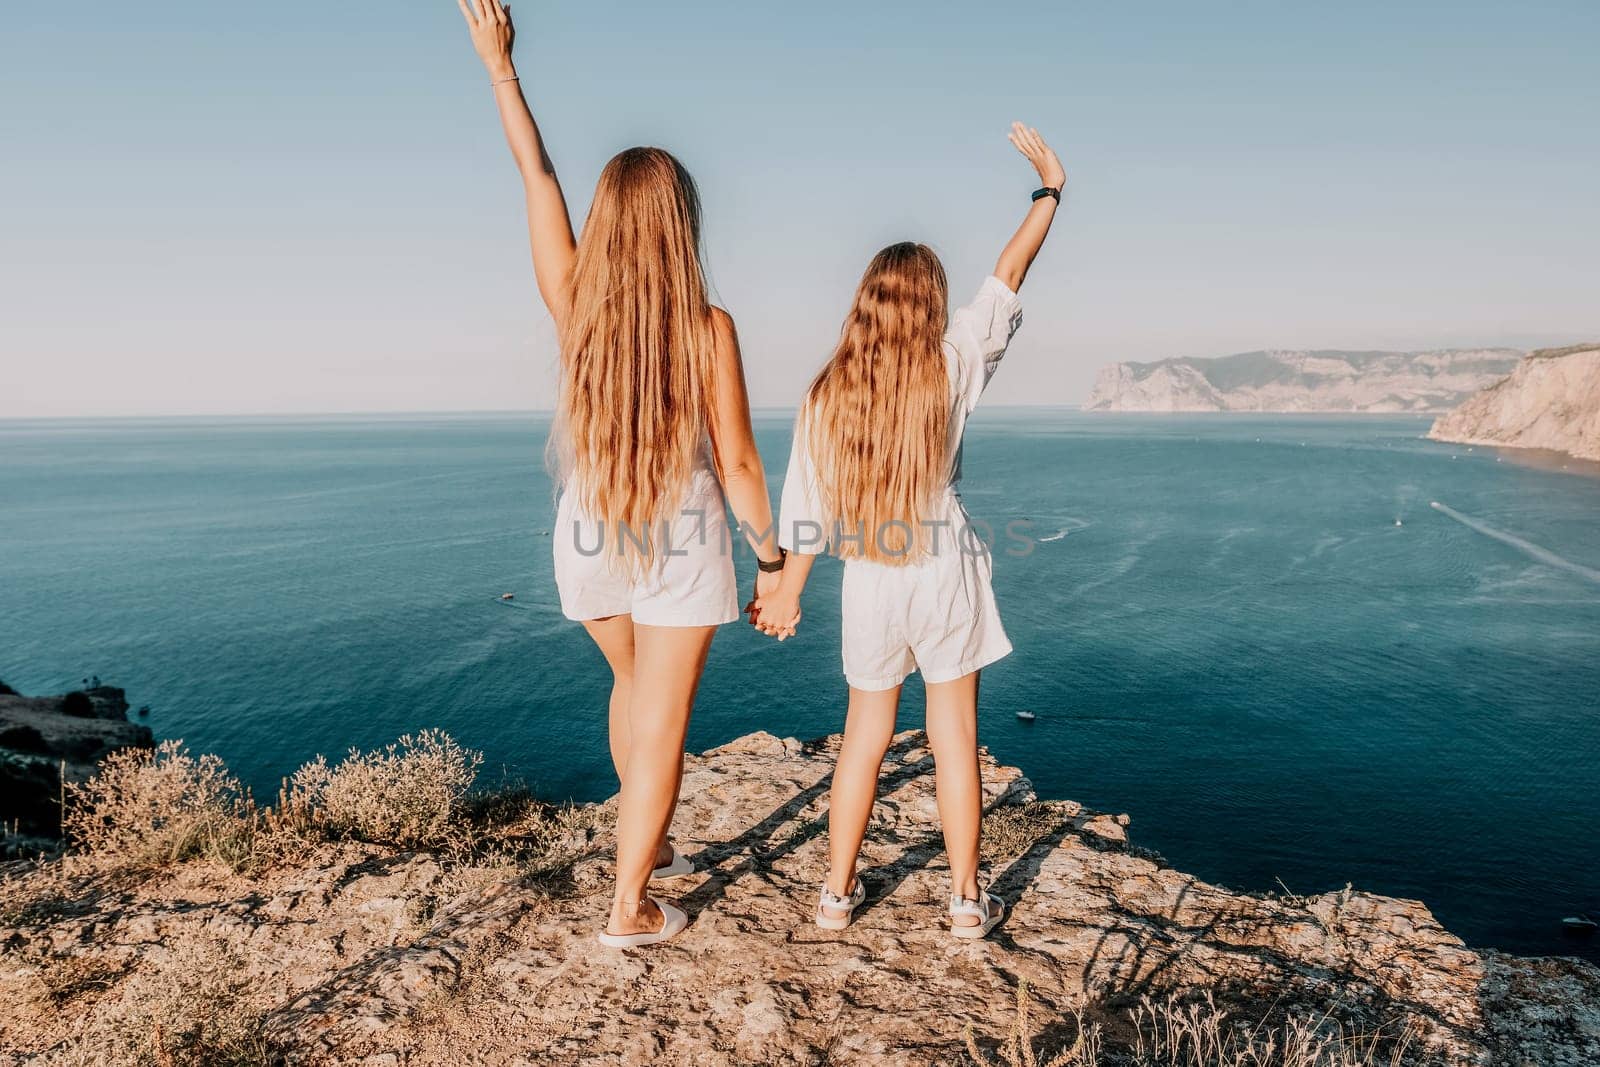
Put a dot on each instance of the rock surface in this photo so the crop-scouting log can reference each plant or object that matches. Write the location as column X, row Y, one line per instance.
column 1289, row 381
column 1551, row 401
column 353, row 968
column 38, row 735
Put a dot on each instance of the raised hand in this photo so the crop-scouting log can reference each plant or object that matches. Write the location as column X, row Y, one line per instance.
column 489, row 22
column 1041, row 155
column 1019, row 252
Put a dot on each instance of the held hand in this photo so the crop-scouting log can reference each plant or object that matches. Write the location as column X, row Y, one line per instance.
column 1041, row 155
column 766, row 584
column 489, row 22
column 778, row 615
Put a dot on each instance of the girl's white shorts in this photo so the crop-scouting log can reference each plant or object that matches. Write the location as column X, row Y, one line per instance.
column 690, row 582
column 937, row 616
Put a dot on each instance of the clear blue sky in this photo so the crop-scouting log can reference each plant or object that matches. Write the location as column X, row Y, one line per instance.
column 284, row 206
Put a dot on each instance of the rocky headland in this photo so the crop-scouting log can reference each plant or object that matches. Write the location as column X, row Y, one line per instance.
column 288, row 936
column 1551, row 400
column 46, row 739
column 1302, row 381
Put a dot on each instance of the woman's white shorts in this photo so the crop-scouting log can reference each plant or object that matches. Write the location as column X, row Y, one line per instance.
column 689, row 583
column 937, row 616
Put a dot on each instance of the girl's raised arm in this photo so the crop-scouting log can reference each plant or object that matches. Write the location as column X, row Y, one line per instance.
column 549, row 225
column 1019, row 253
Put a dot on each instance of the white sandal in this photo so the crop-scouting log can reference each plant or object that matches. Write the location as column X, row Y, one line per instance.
column 827, row 898
column 673, row 923
column 680, row 866
column 988, row 909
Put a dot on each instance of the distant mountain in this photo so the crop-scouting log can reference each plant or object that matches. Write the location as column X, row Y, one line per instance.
column 1323, row 380
column 1551, row 400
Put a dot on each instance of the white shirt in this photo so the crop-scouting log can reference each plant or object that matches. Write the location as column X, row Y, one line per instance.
column 974, row 344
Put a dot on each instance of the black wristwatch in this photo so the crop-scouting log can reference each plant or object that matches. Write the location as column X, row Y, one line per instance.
column 1040, row 194
column 776, row 565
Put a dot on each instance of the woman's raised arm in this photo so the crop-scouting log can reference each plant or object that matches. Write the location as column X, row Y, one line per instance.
column 1024, row 245
column 549, row 225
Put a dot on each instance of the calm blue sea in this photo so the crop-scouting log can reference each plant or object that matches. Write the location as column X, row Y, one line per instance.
column 1253, row 634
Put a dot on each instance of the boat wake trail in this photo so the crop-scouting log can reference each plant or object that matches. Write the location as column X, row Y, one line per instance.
column 1072, row 526
column 1543, row 555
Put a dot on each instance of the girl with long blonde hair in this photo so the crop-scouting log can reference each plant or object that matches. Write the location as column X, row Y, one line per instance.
column 872, row 475
column 652, row 443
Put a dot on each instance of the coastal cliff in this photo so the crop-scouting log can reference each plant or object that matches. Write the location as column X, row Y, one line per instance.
column 1550, row 400
column 1291, row 381
column 46, row 739
column 273, row 943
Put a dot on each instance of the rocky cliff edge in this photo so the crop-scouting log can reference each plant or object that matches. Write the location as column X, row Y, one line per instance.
column 375, row 955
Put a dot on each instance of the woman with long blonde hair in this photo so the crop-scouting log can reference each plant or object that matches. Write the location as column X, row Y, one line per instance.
column 652, row 442
column 872, row 475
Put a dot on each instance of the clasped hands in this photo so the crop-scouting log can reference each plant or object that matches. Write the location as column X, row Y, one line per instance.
column 772, row 610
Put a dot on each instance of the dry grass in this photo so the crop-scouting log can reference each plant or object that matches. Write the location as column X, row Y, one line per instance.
column 1010, row 831
column 507, row 837
column 1192, row 1031
column 33, row 896
column 64, row 979
column 196, row 1004
column 1019, row 1047
column 444, row 1011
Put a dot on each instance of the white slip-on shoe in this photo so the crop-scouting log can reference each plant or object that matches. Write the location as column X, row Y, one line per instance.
column 828, row 899
column 988, row 909
column 680, row 866
column 673, row 923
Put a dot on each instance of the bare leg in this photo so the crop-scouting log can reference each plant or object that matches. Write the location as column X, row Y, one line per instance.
column 667, row 663
column 868, row 729
column 953, row 736
column 615, row 638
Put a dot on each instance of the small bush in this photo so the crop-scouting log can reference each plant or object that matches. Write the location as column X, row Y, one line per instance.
column 408, row 794
column 152, row 807
column 147, row 809
column 78, row 705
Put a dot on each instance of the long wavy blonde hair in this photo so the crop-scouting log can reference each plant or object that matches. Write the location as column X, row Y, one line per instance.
column 637, row 351
column 877, row 417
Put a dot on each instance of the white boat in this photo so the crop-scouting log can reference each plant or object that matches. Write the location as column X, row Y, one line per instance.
column 1580, row 923
column 1026, row 716
column 508, row 596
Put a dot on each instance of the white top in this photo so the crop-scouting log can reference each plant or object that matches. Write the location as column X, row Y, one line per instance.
column 973, row 346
